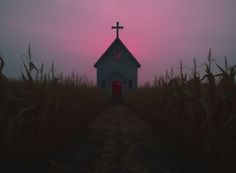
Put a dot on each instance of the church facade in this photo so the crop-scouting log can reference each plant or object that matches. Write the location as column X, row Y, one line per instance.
column 117, row 68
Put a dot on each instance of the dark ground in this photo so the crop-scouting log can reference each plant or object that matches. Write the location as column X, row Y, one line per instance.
column 115, row 142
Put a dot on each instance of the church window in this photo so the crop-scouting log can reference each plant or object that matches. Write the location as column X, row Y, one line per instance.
column 117, row 55
column 103, row 84
column 130, row 84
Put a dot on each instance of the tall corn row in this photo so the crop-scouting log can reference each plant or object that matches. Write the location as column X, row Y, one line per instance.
column 42, row 112
column 197, row 115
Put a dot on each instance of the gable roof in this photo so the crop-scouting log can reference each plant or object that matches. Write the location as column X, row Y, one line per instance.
column 117, row 42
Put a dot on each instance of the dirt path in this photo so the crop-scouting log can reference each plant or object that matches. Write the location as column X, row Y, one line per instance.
column 117, row 142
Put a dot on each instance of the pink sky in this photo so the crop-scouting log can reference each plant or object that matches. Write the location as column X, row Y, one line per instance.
column 74, row 33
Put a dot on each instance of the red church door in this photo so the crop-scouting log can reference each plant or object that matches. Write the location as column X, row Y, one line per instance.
column 116, row 89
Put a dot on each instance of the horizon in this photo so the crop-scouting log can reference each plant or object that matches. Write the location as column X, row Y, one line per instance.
column 74, row 34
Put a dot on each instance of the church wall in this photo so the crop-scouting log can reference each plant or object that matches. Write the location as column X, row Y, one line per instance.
column 110, row 72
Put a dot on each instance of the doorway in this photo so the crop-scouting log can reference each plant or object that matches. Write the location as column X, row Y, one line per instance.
column 116, row 89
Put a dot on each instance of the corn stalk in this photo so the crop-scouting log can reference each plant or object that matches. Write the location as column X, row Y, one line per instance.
column 2, row 63
column 29, row 68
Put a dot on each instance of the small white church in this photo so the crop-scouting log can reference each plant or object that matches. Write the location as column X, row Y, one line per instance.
column 117, row 68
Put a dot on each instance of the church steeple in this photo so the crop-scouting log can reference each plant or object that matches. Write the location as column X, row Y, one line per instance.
column 117, row 27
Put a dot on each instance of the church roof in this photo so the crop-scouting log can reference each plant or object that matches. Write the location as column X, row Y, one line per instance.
column 115, row 43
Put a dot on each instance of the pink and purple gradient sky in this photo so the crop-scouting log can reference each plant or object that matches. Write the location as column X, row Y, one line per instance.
column 74, row 33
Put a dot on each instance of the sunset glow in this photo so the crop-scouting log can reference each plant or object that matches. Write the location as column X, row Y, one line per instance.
column 74, row 33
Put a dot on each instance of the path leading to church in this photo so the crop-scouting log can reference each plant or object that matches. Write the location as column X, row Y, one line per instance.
column 118, row 142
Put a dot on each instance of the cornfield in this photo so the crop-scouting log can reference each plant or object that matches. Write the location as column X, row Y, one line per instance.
column 196, row 114
column 41, row 113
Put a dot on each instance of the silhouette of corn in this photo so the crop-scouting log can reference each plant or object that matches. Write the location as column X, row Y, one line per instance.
column 197, row 115
column 42, row 112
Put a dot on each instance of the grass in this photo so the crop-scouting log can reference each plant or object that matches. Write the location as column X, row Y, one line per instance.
column 42, row 112
column 196, row 114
